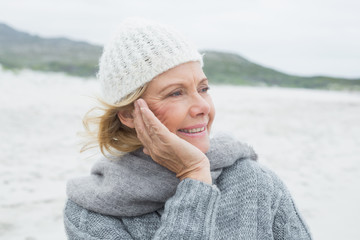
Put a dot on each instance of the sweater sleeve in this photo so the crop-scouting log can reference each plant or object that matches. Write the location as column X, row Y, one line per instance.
column 288, row 223
column 189, row 214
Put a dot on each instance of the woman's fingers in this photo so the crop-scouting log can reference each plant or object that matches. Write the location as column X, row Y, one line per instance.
column 140, row 127
column 153, row 125
column 151, row 132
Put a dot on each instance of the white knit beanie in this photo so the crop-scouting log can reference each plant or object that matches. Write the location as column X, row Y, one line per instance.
column 139, row 51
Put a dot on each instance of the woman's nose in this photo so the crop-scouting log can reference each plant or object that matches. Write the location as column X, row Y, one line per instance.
column 199, row 105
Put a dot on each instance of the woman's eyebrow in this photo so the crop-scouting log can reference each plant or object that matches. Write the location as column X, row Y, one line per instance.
column 170, row 85
column 179, row 84
column 203, row 80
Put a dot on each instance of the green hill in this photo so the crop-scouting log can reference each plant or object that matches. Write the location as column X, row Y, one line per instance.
column 233, row 69
column 20, row 50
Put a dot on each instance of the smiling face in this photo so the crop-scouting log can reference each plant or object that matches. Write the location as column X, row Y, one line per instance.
column 179, row 99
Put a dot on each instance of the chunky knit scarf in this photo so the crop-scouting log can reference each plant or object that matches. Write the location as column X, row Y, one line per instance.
column 134, row 184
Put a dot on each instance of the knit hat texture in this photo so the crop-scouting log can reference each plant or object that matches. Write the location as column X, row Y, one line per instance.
column 139, row 51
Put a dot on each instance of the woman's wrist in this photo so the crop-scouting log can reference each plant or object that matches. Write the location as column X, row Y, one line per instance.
column 201, row 174
column 206, row 178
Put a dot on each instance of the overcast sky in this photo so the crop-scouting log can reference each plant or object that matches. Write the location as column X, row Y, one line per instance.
column 305, row 37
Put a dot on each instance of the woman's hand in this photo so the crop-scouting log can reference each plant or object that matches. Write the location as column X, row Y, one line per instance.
column 167, row 149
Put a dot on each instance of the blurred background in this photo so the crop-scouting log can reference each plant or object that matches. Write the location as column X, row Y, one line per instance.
column 285, row 78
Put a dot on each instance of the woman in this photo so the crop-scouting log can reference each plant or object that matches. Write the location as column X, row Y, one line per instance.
column 165, row 178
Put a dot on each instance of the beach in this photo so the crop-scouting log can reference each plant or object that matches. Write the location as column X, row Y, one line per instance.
column 310, row 138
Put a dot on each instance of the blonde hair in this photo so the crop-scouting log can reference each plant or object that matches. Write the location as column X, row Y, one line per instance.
column 105, row 130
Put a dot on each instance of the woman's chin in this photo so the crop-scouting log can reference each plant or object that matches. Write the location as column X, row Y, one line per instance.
column 204, row 149
column 202, row 144
column 200, row 140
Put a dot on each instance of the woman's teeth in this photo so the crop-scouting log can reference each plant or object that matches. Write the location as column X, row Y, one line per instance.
column 194, row 130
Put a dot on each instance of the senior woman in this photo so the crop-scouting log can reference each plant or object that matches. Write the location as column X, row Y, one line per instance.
column 163, row 177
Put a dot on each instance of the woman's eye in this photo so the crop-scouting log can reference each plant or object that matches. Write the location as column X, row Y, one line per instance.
column 204, row 89
column 175, row 94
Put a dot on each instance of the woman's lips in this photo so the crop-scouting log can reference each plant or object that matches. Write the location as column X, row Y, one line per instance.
column 197, row 130
column 192, row 130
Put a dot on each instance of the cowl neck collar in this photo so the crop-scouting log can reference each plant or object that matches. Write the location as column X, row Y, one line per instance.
column 134, row 184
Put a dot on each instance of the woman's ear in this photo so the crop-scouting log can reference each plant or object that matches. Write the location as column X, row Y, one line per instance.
column 126, row 118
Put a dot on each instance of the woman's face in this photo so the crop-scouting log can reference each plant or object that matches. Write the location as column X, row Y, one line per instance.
column 179, row 99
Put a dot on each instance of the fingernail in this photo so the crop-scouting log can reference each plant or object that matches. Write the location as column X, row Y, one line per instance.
column 139, row 102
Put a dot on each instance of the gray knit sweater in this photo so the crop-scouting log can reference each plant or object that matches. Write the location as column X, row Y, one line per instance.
column 246, row 201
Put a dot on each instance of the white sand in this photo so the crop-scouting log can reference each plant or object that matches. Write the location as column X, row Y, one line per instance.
column 310, row 138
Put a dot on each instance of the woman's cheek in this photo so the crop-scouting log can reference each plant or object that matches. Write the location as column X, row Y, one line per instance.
column 160, row 111
column 212, row 108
